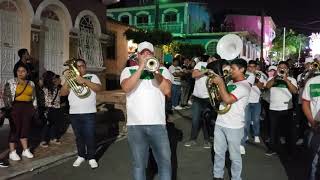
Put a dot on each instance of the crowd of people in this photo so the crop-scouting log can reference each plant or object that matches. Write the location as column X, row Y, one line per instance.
column 278, row 105
column 43, row 103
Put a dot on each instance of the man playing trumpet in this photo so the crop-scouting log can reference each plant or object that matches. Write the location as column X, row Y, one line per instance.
column 229, row 126
column 145, row 94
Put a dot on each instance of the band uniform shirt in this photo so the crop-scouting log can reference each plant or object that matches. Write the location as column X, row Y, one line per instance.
column 235, row 117
column 311, row 93
column 200, row 88
column 255, row 92
column 176, row 79
column 280, row 96
column 145, row 103
column 85, row 105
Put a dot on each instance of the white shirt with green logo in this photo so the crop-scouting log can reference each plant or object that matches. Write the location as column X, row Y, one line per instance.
column 200, row 88
column 176, row 79
column 234, row 118
column 146, row 103
column 280, row 96
column 311, row 93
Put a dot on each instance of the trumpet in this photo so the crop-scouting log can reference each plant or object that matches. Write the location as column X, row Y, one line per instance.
column 281, row 73
column 152, row 64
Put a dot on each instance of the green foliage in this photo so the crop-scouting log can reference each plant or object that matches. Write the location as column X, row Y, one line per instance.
column 185, row 49
column 156, row 37
column 292, row 44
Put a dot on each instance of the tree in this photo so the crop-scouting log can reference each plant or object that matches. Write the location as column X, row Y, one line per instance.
column 292, row 45
column 156, row 37
column 185, row 49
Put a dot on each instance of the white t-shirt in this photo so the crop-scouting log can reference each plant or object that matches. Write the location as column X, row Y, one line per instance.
column 146, row 103
column 234, row 118
column 256, row 92
column 200, row 88
column 311, row 93
column 280, row 96
column 85, row 105
column 176, row 79
column 250, row 77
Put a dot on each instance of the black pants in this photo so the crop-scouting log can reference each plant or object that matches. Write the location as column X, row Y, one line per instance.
column 281, row 122
column 51, row 129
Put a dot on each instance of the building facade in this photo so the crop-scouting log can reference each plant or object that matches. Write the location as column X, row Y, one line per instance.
column 53, row 31
column 187, row 17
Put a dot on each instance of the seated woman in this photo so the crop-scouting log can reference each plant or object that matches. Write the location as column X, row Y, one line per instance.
column 20, row 97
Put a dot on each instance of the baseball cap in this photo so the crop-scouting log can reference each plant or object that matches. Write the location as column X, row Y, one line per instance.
column 145, row 45
column 308, row 60
column 272, row 68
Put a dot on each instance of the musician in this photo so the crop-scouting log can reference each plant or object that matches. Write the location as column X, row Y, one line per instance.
column 253, row 110
column 229, row 126
column 146, row 121
column 199, row 105
column 311, row 108
column 177, row 72
column 82, row 114
column 301, row 79
column 281, row 89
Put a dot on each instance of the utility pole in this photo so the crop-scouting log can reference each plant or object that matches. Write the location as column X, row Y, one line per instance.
column 156, row 21
column 284, row 43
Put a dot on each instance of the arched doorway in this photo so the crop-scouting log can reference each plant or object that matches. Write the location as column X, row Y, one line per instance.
column 52, row 42
column 10, row 25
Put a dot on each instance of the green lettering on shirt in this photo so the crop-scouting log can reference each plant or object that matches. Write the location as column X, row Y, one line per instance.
column 314, row 90
column 231, row 87
column 203, row 68
column 88, row 77
column 280, row 84
column 146, row 75
column 246, row 76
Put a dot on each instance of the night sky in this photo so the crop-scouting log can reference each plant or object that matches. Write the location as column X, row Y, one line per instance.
column 303, row 16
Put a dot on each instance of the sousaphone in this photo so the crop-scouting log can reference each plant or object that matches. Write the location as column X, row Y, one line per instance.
column 229, row 46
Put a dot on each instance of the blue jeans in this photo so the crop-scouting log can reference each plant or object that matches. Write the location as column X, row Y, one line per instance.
column 176, row 93
column 197, row 109
column 227, row 139
column 252, row 114
column 143, row 137
column 84, row 129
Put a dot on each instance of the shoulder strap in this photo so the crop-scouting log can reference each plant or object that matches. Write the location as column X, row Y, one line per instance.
column 17, row 95
column 55, row 97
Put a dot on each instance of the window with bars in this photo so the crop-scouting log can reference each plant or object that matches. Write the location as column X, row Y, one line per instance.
column 170, row 17
column 142, row 19
column 125, row 19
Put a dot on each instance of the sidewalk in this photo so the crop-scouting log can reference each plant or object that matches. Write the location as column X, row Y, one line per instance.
column 107, row 129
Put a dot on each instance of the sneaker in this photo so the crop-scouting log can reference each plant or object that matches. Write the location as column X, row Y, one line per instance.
column 55, row 141
column 282, row 140
column 190, row 143
column 178, row 108
column 299, row 142
column 26, row 153
column 4, row 164
column 206, row 145
column 78, row 161
column 93, row 163
column 270, row 153
column 242, row 150
column 256, row 139
column 14, row 156
column 44, row 144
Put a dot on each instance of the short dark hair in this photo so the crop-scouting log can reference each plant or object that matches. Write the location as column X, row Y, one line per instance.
column 253, row 62
column 21, row 52
column 81, row 60
column 217, row 56
column 284, row 62
column 23, row 66
column 241, row 63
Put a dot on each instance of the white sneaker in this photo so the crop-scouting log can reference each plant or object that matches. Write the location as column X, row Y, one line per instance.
column 78, row 161
column 190, row 102
column 282, row 140
column 299, row 142
column 242, row 150
column 178, row 108
column 256, row 139
column 26, row 153
column 93, row 163
column 14, row 156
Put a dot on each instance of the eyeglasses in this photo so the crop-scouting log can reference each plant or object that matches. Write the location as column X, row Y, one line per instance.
column 81, row 66
column 252, row 66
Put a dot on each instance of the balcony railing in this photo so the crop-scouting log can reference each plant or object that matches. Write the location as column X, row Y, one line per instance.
column 170, row 27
